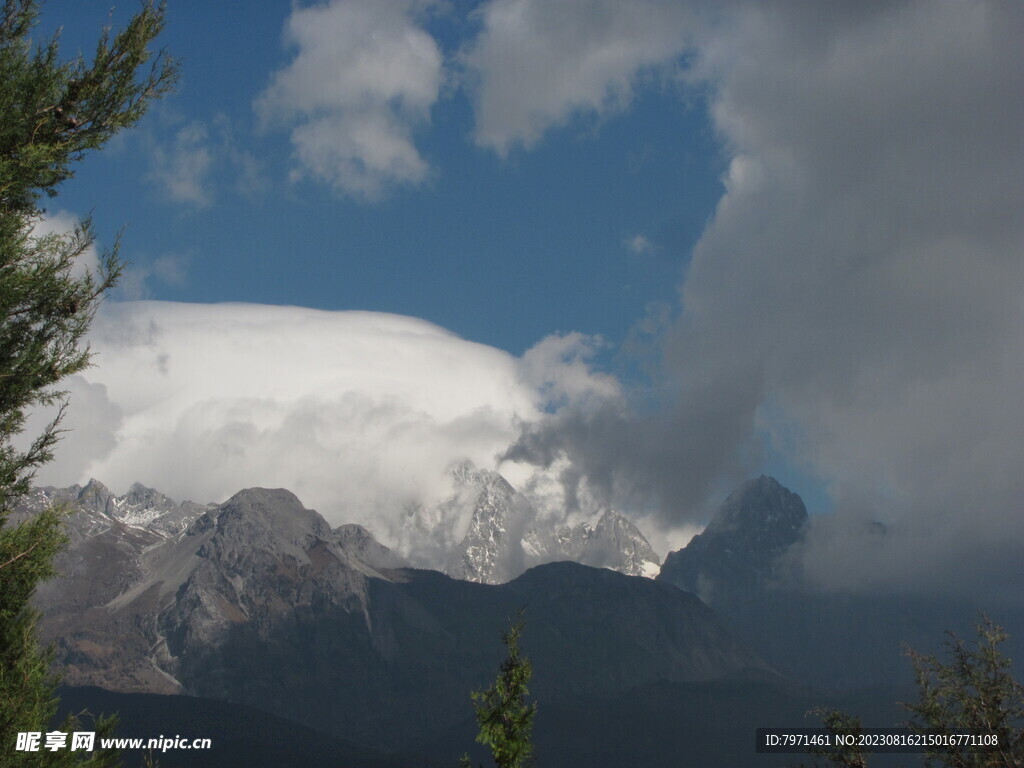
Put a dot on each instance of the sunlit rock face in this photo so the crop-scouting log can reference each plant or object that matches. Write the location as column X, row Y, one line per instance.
column 505, row 538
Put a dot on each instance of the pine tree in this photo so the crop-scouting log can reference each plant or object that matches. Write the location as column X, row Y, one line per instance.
column 52, row 113
column 503, row 712
column 973, row 692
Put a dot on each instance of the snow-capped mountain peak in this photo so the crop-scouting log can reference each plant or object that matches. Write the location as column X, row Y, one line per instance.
column 505, row 537
column 141, row 508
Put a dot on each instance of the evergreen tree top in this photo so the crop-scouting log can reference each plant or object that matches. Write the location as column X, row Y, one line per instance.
column 51, row 114
column 54, row 111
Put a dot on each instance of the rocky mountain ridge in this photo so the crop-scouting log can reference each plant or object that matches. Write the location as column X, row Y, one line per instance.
column 742, row 547
column 259, row 601
column 746, row 566
column 141, row 508
column 145, row 579
column 504, row 538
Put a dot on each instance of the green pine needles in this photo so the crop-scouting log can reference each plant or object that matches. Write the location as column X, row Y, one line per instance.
column 503, row 711
column 51, row 114
column 974, row 691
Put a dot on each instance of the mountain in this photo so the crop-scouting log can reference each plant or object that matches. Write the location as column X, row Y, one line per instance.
column 491, row 551
column 613, row 542
column 746, row 566
column 138, row 567
column 241, row 736
column 142, row 508
column 260, row 602
column 505, row 538
column 108, row 535
column 741, row 547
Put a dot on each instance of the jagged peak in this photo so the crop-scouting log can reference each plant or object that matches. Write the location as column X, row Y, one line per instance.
column 462, row 470
column 466, row 474
column 95, row 486
column 741, row 546
column 758, row 503
column 138, row 489
column 609, row 519
column 612, row 517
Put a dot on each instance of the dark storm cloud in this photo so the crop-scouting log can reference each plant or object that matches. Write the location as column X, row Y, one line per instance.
column 858, row 291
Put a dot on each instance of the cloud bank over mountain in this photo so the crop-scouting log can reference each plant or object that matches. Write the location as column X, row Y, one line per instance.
column 855, row 300
column 856, row 296
column 358, row 413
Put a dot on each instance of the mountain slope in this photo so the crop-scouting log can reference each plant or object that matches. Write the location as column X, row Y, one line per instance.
column 241, row 736
column 505, row 537
column 260, row 602
column 740, row 549
column 612, row 542
column 744, row 565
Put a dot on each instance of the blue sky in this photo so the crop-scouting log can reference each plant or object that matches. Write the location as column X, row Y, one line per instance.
column 627, row 253
column 502, row 250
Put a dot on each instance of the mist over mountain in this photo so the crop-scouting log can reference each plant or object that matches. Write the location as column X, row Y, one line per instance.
column 260, row 602
column 740, row 549
column 748, row 565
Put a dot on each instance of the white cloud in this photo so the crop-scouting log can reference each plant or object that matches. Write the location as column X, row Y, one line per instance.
column 557, row 367
column 88, row 431
column 537, row 63
column 194, row 158
column 64, row 224
column 359, row 413
column 638, row 244
column 138, row 276
column 365, row 76
column 182, row 169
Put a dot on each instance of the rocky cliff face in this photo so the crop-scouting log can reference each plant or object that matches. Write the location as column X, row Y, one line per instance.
column 142, row 508
column 491, row 552
column 746, row 566
column 613, row 542
column 741, row 547
column 505, row 539
column 108, row 535
column 145, row 582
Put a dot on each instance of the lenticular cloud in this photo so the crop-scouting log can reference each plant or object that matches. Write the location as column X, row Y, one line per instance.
column 359, row 413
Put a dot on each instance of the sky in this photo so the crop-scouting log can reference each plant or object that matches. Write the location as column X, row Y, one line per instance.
column 627, row 253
